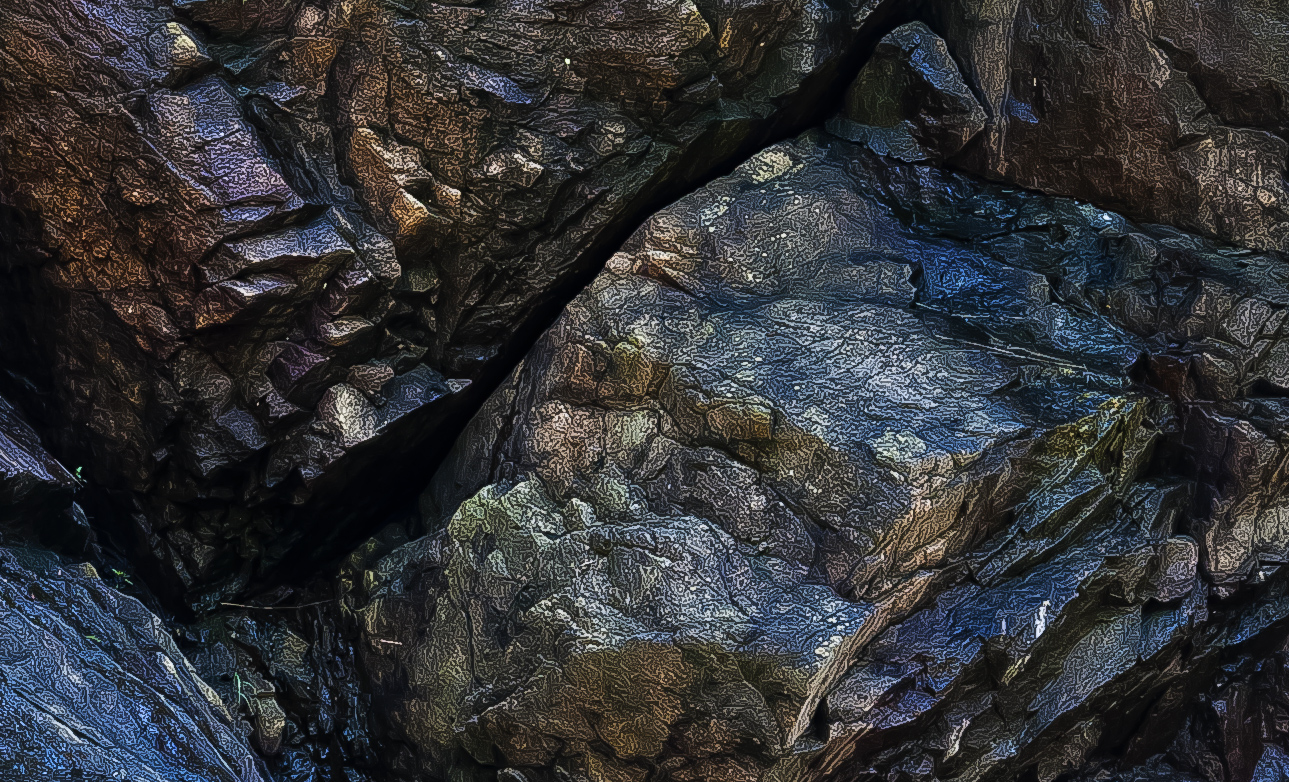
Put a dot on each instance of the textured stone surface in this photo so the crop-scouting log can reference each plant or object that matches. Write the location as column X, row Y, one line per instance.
column 878, row 458
column 910, row 102
column 263, row 247
column 92, row 686
column 885, row 387
column 288, row 674
column 1133, row 106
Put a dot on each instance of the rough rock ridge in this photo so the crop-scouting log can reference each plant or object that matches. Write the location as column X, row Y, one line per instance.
column 92, row 686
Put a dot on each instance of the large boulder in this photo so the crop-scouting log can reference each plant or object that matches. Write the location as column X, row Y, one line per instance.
column 257, row 250
column 844, row 467
column 963, row 418
column 93, row 688
column 597, row 638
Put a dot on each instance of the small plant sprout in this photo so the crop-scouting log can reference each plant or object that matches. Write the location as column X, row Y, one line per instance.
column 241, row 696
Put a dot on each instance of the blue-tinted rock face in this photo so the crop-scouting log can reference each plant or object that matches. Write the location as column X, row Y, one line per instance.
column 833, row 375
column 92, row 686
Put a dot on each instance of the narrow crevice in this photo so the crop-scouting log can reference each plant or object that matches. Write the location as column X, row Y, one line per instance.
column 817, row 98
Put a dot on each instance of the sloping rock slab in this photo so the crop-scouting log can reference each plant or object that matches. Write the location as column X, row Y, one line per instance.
column 93, row 688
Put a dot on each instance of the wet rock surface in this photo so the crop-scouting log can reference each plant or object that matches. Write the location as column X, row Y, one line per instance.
column 945, row 440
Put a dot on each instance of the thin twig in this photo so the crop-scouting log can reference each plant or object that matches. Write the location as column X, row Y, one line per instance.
column 278, row 608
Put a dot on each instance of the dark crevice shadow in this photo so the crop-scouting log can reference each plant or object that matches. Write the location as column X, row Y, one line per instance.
column 396, row 480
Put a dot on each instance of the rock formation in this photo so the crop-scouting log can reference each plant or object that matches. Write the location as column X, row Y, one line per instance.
column 266, row 244
column 902, row 387
column 1133, row 106
column 912, row 407
column 94, row 688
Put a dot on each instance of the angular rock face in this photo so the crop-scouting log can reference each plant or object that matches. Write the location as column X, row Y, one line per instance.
column 263, row 246
column 93, row 687
column 910, row 102
column 1167, row 111
column 912, row 397
column 903, row 406
column 1234, row 54
column 594, row 635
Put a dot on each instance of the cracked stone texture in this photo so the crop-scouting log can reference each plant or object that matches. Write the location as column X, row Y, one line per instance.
column 260, row 248
column 843, row 468
column 1024, row 444
column 910, row 102
column 93, row 688
column 1170, row 111
column 288, row 675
